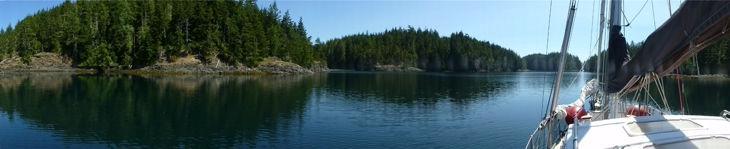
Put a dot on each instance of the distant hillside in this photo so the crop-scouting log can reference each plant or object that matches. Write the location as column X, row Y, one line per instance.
column 424, row 49
column 133, row 34
column 549, row 62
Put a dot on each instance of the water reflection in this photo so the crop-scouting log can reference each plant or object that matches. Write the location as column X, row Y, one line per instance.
column 405, row 88
column 191, row 111
column 334, row 110
column 704, row 96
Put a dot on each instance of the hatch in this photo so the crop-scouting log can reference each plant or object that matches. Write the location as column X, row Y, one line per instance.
column 652, row 127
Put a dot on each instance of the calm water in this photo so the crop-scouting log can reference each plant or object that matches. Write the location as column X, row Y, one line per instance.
column 334, row 110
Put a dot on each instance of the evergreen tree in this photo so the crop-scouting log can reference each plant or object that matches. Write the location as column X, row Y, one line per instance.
column 103, row 34
column 27, row 41
column 122, row 32
column 275, row 32
column 253, row 31
column 145, row 52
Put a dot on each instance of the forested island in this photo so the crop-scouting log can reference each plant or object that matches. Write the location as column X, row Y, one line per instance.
column 234, row 36
column 423, row 49
column 549, row 62
column 136, row 34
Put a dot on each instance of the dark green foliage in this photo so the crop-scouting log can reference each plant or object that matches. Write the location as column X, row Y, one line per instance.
column 714, row 59
column 128, row 34
column 97, row 55
column 424, row 49
column 122, row 30
column 6, row 44
column 591, row 63
column 26, row 40
column 549, row 62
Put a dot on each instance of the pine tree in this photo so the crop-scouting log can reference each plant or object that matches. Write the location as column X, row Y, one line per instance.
column 275, row 32
column 252, row 31
column 7, row 42
column 145, row 52
column 27, row 41
column 122, row 32
column 161, row 20
column 287, row 26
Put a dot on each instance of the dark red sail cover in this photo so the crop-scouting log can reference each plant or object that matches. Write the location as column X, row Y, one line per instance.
column 694, row 26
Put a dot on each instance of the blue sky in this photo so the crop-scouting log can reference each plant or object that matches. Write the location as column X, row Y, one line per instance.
column 520, row 25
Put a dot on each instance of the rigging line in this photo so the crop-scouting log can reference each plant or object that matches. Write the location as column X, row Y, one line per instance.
column 623, row 14
column 680, row 91
column 670, row 7
column 593, row 11
column 647, row 91
column 686, row 107
column 555, row 92
column 653, row 16
column 580, row 70
column 590, row 46
column 554, row 96
column 547, row 44
column 662, row 91
column 637, row 13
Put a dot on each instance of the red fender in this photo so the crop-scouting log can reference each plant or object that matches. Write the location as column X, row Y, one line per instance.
column 637, row 111
column 570, row 113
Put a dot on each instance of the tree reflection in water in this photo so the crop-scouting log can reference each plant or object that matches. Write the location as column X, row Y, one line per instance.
column 179, row 111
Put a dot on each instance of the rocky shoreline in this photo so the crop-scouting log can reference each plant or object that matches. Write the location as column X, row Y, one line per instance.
column 51, row 62
column 396, row 68
column 41, row 62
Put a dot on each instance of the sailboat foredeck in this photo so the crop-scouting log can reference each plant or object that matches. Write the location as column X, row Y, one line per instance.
column 658, row 131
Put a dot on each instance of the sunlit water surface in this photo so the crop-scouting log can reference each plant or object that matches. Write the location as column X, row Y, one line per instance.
column 330, row 110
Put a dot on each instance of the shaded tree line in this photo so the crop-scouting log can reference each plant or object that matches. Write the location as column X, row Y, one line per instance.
column 132, row 34
column 549, row 62
column 421, row 48
column 590, row 63
column 714, row 59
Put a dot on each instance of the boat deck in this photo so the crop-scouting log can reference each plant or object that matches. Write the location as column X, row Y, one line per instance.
column 659, row 131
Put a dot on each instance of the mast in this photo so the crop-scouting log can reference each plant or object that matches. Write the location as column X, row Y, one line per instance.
column 563, row 50
column 600, row 40
column 617, row 46
column 616, row 13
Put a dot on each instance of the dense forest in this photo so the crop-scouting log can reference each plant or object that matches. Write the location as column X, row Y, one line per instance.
column 549, row 62
column 714, row 59
column 424, row 49
column 133, row 34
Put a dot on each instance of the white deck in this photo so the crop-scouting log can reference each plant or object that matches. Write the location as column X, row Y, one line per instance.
column 663, row 131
